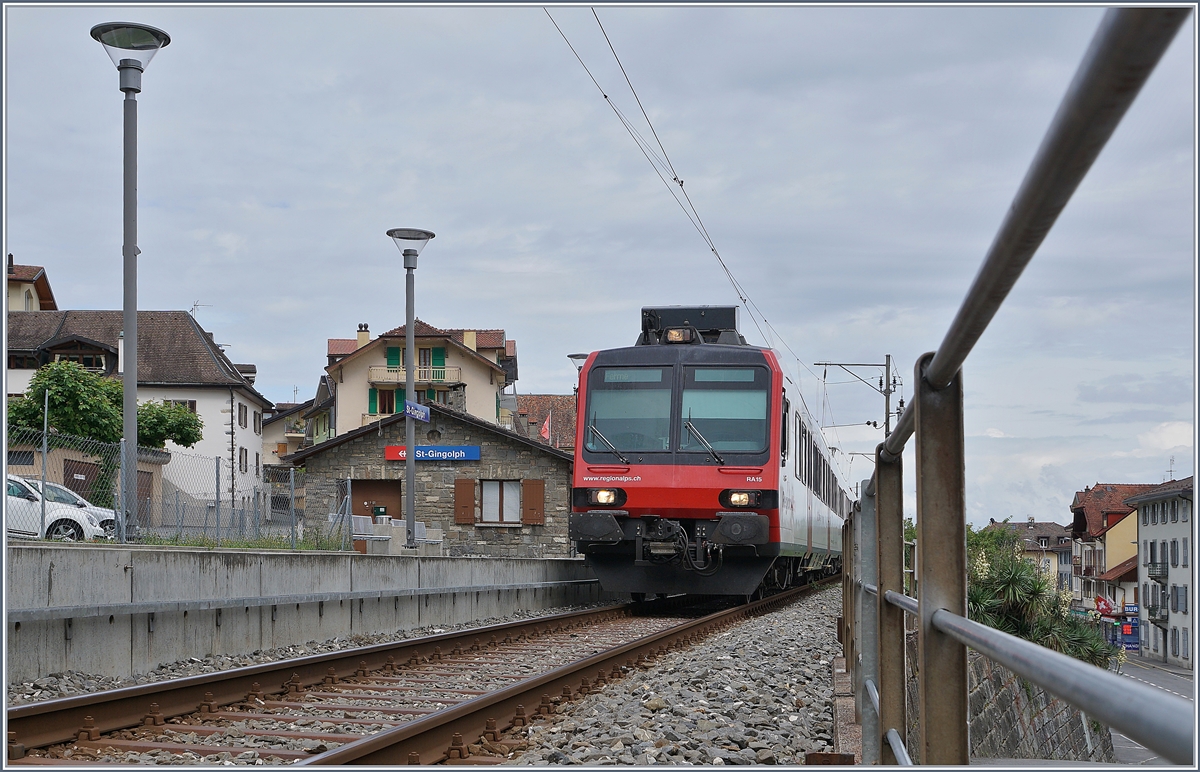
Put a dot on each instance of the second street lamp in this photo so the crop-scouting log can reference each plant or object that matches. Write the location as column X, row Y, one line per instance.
column 410, row 241
column 131, row 47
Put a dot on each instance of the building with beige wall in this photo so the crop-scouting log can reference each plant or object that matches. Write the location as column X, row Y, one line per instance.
column 465, row 370
column 29, row 288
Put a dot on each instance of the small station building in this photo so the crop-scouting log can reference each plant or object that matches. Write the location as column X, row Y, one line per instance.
column 490, row 491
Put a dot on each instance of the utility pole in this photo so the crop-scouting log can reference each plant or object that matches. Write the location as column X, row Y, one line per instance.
column 886, row 387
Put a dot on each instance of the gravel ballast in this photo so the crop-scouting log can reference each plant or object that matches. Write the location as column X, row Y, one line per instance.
column 759, row 693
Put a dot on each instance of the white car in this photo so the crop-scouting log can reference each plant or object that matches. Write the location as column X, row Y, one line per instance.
column 23, row 516
column 61, row 494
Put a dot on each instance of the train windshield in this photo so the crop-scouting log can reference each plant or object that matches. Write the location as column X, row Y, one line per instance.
column 726, row 407
column 630, row 407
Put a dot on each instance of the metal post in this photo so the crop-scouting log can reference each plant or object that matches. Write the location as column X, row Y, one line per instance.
column 257, row 526
column 292, row 502
column 45, row 450
column 941, row 566
column 887, row 395
column 122, row 509
column 347, row 513
column 178, row 517
column 130, row 71
column 217, row 500
column 869, row 642
column 410, row 431
column 889, row 513
column 856, row 630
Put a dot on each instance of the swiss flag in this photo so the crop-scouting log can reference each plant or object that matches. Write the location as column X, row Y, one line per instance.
column 545, row 432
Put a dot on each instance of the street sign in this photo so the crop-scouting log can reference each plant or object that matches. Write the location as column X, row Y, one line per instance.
column 417, row 411
column 433, row 453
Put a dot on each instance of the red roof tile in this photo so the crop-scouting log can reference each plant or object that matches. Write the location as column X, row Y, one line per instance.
column 532, row 411
column 340, row 346
column 1128, row 567
column 420, row 329
column 1091, row 505
column 26, row 273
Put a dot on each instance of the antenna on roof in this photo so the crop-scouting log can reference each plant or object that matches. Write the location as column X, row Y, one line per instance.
column 196, row 305
column 1171, row 470
column 295, row 393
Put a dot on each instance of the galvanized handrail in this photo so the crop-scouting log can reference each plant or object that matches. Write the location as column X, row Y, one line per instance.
column 1143, row 713
column 1122, row 54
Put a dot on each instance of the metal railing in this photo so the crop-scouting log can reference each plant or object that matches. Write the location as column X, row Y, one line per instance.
column 1158, row 571
column 384, row 374
column 1123, row 53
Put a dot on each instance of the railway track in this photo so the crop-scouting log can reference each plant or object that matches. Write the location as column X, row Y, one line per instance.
column 450, row 698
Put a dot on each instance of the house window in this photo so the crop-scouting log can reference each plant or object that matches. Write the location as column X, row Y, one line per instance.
column 1145, row 552
column 501, row 501
column 425, row 358
column 190, row 404
column 1175, row 511
column 1145, row 515
column 257, row 422
column 1183, row 555
column 20, row 458
column 29, row 301
column 1174, row 552
column 1154, row 514
column 387, row 402
column 1044, row 542
column 87, row 359
column 1174, row 641
column 1184, row 514
column 1153, row 552
column 1183, row 644
column 257, row 464
column 22, row 362
column 243, row 459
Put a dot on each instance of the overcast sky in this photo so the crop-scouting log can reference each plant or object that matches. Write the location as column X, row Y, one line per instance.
column 852, row 165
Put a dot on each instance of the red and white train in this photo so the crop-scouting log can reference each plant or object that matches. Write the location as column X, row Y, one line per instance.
column 697, row 469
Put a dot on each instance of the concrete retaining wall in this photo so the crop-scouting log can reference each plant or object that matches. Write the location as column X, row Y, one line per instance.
column 48, row 576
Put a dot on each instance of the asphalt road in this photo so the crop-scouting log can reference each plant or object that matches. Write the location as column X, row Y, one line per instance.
column 1165, row 677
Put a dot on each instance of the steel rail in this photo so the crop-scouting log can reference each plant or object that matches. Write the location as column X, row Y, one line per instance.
column 898, row 749
column 45, row 723
column 426, row 740
column 1156, row 720
column 902, row 601
column 1122, row 54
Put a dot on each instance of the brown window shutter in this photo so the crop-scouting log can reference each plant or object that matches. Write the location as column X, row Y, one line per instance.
column 533, row 502
column 464, row 501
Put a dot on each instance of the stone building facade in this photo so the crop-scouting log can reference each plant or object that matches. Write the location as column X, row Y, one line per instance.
column 491, row 491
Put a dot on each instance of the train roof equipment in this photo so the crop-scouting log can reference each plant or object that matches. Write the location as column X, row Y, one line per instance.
column 690, row 325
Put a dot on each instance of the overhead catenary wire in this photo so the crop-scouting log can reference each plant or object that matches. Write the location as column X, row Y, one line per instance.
column 663, row 167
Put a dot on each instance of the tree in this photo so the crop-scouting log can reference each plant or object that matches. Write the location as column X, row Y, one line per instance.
column 84, row 404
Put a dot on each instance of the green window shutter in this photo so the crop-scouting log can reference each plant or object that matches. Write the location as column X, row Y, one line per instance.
column 400, row 399
column 373, row 401
column 393, row 356
column 430, row 394
column 497, row 407
column 439, row 357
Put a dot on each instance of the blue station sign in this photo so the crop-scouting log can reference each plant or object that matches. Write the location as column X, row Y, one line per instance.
column 417, row 411
column 433, row 453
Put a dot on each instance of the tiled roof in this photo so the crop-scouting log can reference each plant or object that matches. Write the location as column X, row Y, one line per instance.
column 1091, row 505
column 36, row 275
column 532, row 411
column 1167, row 490
column 285, row 409
column 1129, row 566
column 483, row 338
column 1047, row 530
column 436, row 410
column 510, row 348
column 172, row 348
column 25, row 273
column 340, row 346
column 420, row 329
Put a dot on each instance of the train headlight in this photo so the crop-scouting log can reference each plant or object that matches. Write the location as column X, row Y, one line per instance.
column 604, row 496
column 679, row 335
column 745, row 498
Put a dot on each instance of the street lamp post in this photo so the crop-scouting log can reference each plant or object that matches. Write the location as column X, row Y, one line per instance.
column 410, row 242
column 131, row 47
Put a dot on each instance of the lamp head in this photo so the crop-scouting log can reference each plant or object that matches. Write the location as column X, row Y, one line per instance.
column 126, row 41
column 410, row 239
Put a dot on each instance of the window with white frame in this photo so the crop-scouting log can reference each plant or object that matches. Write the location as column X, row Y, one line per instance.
column 1183, row 554
column 500, row 501
column 1183, row 643
column 243, row 459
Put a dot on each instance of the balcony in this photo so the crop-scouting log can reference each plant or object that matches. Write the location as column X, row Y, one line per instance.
column 1083, row 570
column 1156, row 614
column 395, row 376
column 1157, row 572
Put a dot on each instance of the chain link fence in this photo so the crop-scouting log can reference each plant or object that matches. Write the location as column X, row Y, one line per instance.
column 181, row 498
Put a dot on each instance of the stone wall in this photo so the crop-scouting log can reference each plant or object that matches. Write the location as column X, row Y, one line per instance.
column 503, row 456
column 1011, row 718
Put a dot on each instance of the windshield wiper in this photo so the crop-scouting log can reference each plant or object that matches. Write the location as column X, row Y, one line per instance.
column 703, row 441
column 592, row 428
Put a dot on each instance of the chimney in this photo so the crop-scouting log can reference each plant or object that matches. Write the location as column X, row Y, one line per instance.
column 11, row 270
column 1030, row 526
column 121, row 352
column 469, row 339
column 364, row 335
